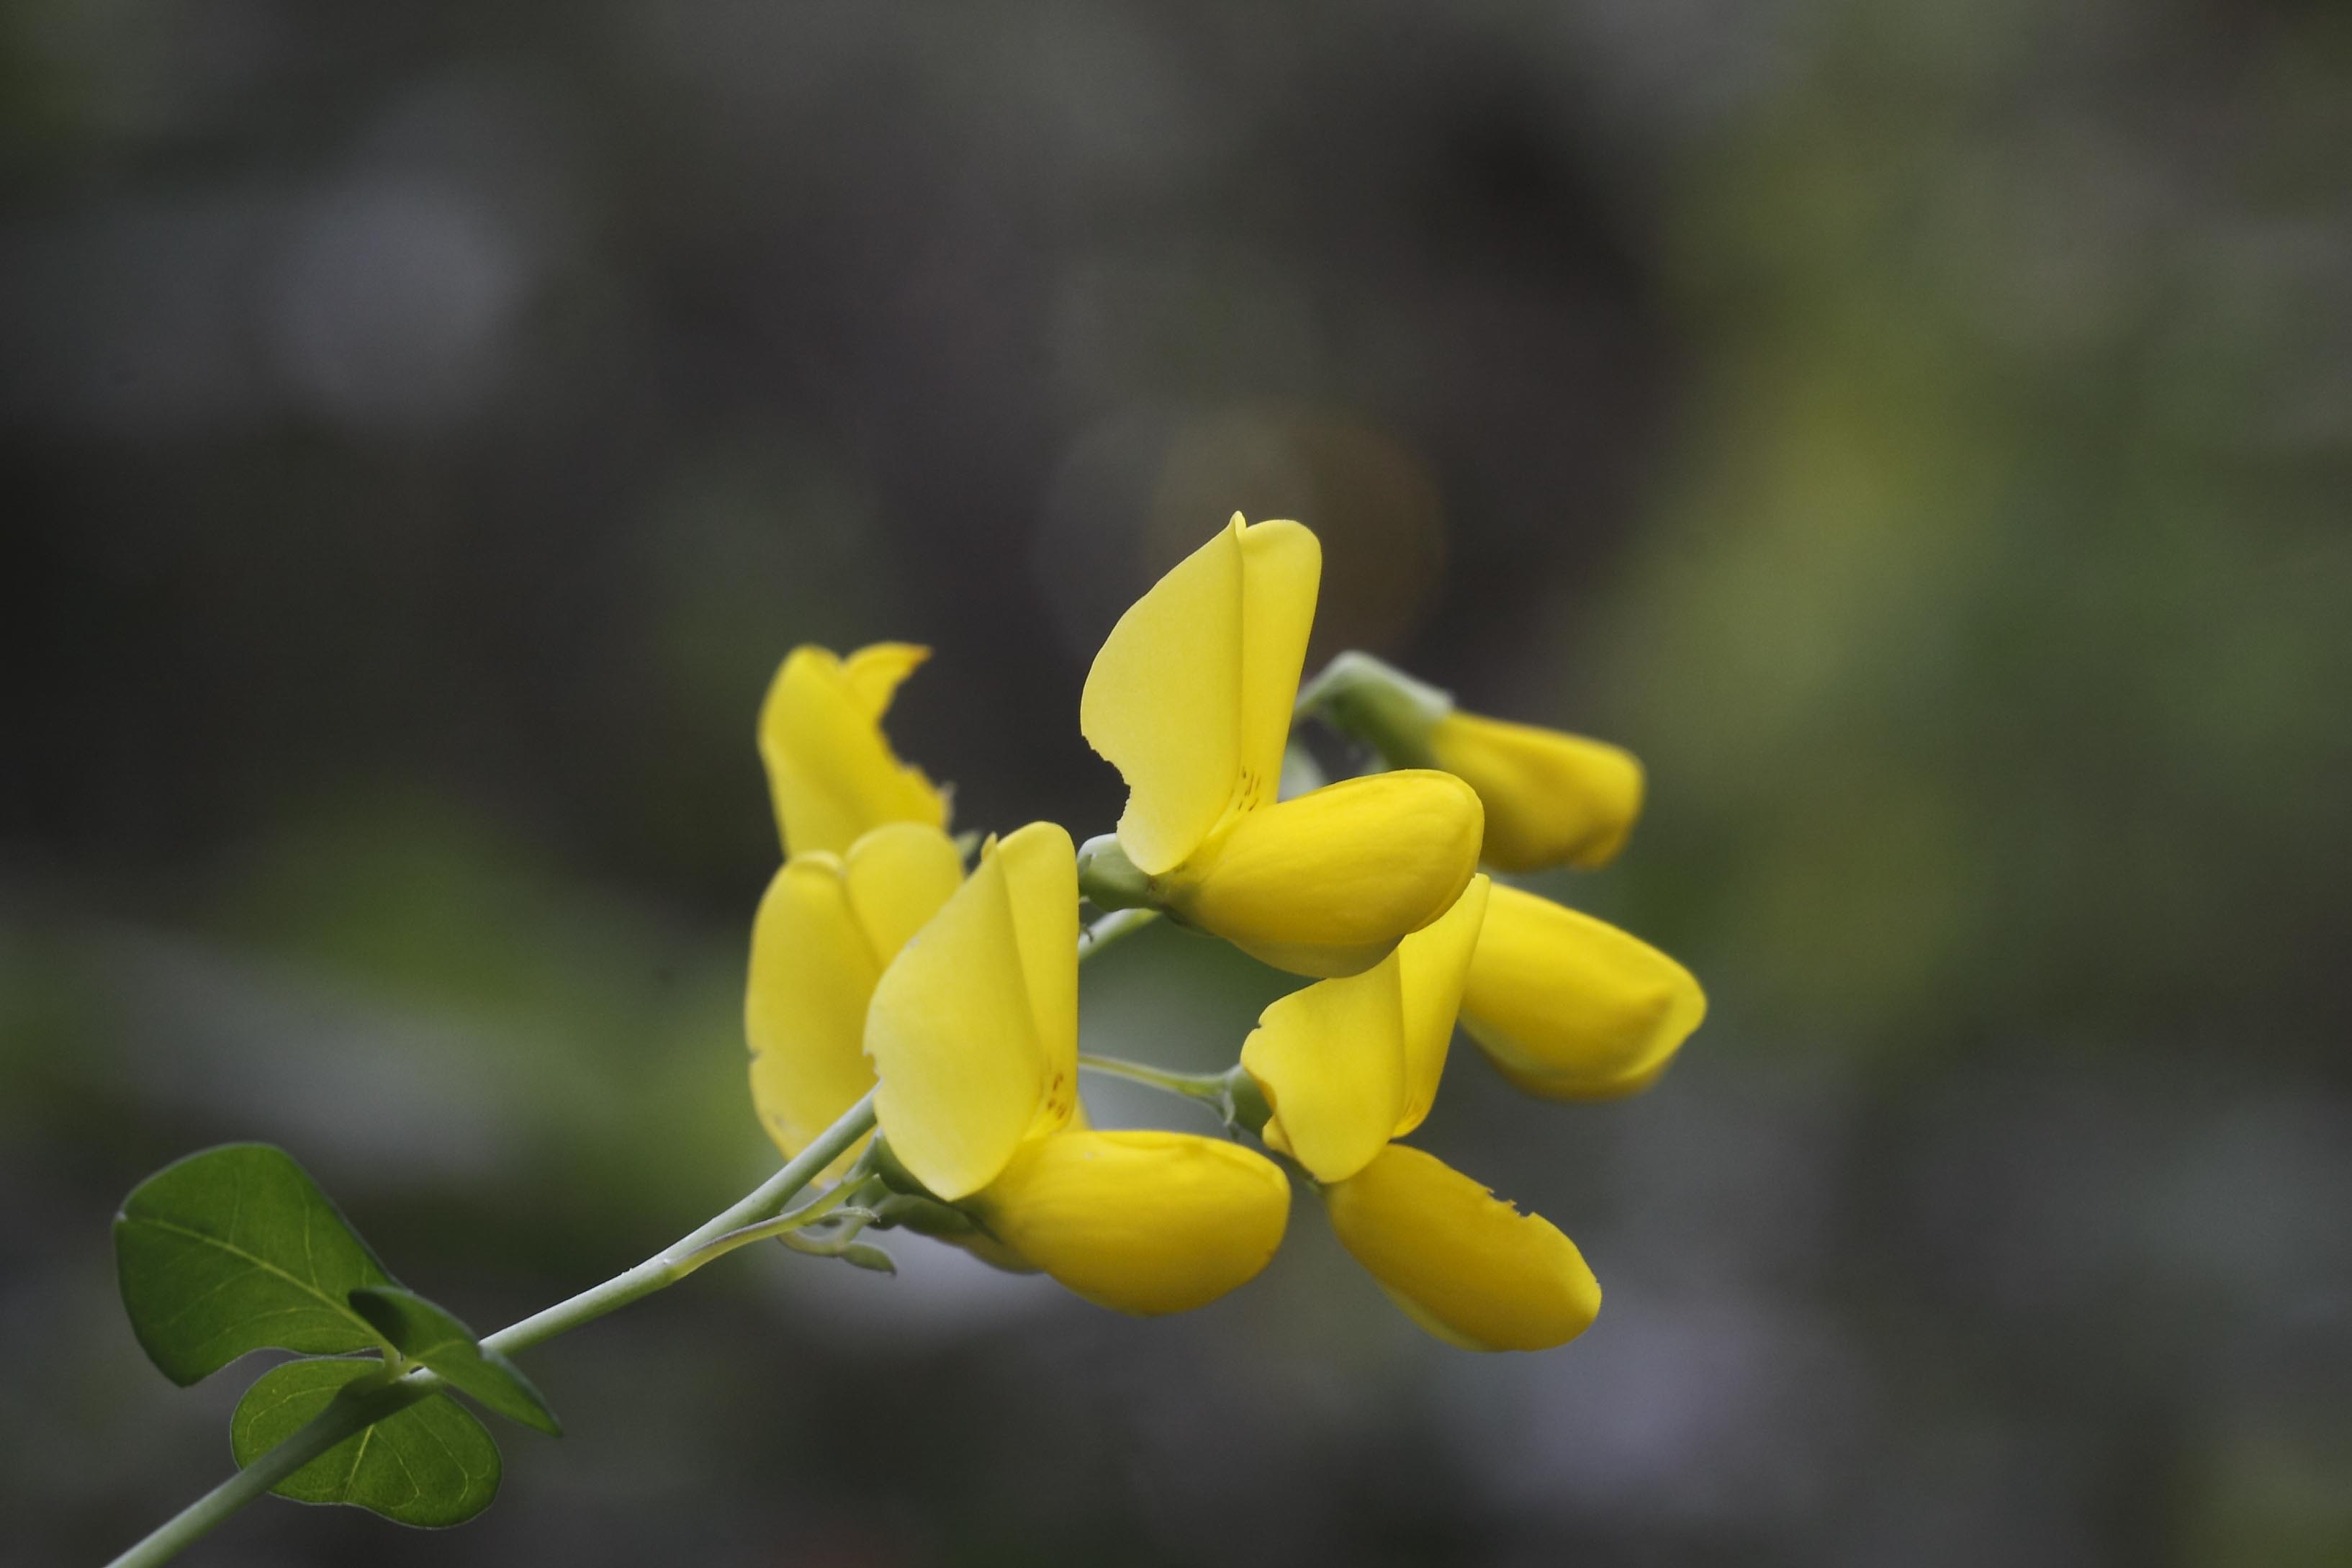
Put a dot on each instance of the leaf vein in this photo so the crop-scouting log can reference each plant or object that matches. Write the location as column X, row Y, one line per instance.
column 340, row 1309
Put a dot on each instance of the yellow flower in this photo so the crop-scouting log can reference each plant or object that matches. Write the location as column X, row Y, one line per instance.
column 828, row 926
column 830, row 768
column 1463, row 1264
column 1141, row 1222
column 974, row 1031
column 1346, row 1065
column 1552, row 799
column 1191, row 699
column 1569, row 1007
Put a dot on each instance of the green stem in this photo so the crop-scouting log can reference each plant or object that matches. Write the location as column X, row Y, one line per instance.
column 1208, row 1085
column 341, row 1420
column 1107, row 928
column 743, row 1223
column 808, row 1214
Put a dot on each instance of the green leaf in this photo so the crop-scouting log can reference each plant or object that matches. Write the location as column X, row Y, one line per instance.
column 425, row 1332
column 237, row 1250
column 430, row 1464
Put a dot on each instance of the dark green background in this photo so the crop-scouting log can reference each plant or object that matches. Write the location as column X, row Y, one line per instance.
column 1923, row 432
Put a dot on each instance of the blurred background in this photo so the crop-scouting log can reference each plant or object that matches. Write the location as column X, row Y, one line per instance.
column 1922, row 432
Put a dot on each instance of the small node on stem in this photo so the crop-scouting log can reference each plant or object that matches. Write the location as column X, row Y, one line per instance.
column 1110, row 881
column 1245, row 1101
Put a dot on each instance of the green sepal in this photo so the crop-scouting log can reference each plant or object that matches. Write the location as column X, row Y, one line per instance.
column 867, row 1256
column 1247, row 1101
column 235, row 1249
column 429, row 1464
column 923, row 1216
column 1379, row 704
column 891, row 1170
column 1110, row 881
column 422, row 1332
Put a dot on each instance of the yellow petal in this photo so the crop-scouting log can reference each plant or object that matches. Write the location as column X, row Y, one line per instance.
column 874, row 673
column 1465, row 1264
column 1569, row 1007
column 1552, row 799
column 1190, row 697
column 1326, row 884
column 1142, row 1222
column 974, row 1036
column 897, row 877
column 813, row 971
column 830, row 769
column 825, row 931
column 1282, row 569
column 1433, row 963
column 1331, row 1060
column 1041, row 884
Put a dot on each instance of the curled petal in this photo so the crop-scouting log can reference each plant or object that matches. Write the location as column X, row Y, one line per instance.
column 1552, row 799
column 831, row 771
column 1569, row 1007
column 1462, row 1263
column 1327, row 884
column 1331, row 1060
column 1142, row 1222
column 1190, row 697
column 1433, row 963
column 973, row 1027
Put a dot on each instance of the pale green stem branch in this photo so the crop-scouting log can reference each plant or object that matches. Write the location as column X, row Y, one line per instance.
column 744, row 1222
column 1107, row 928
column 341, row 1420
column 1208, row 1085
column 808, row 1214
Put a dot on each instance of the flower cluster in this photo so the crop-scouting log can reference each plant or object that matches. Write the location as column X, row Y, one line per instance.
column 879, row 964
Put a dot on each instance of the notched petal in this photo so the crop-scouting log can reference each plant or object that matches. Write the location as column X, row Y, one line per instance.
column 831, row 772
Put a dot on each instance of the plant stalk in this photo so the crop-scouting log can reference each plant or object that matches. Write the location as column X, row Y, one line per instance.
column 1105, row 930
column 1208, row 1085
column 713, row 1238
column 341, row 1419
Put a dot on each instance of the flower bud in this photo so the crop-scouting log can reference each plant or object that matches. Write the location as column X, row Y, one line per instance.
column 1551, row 798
